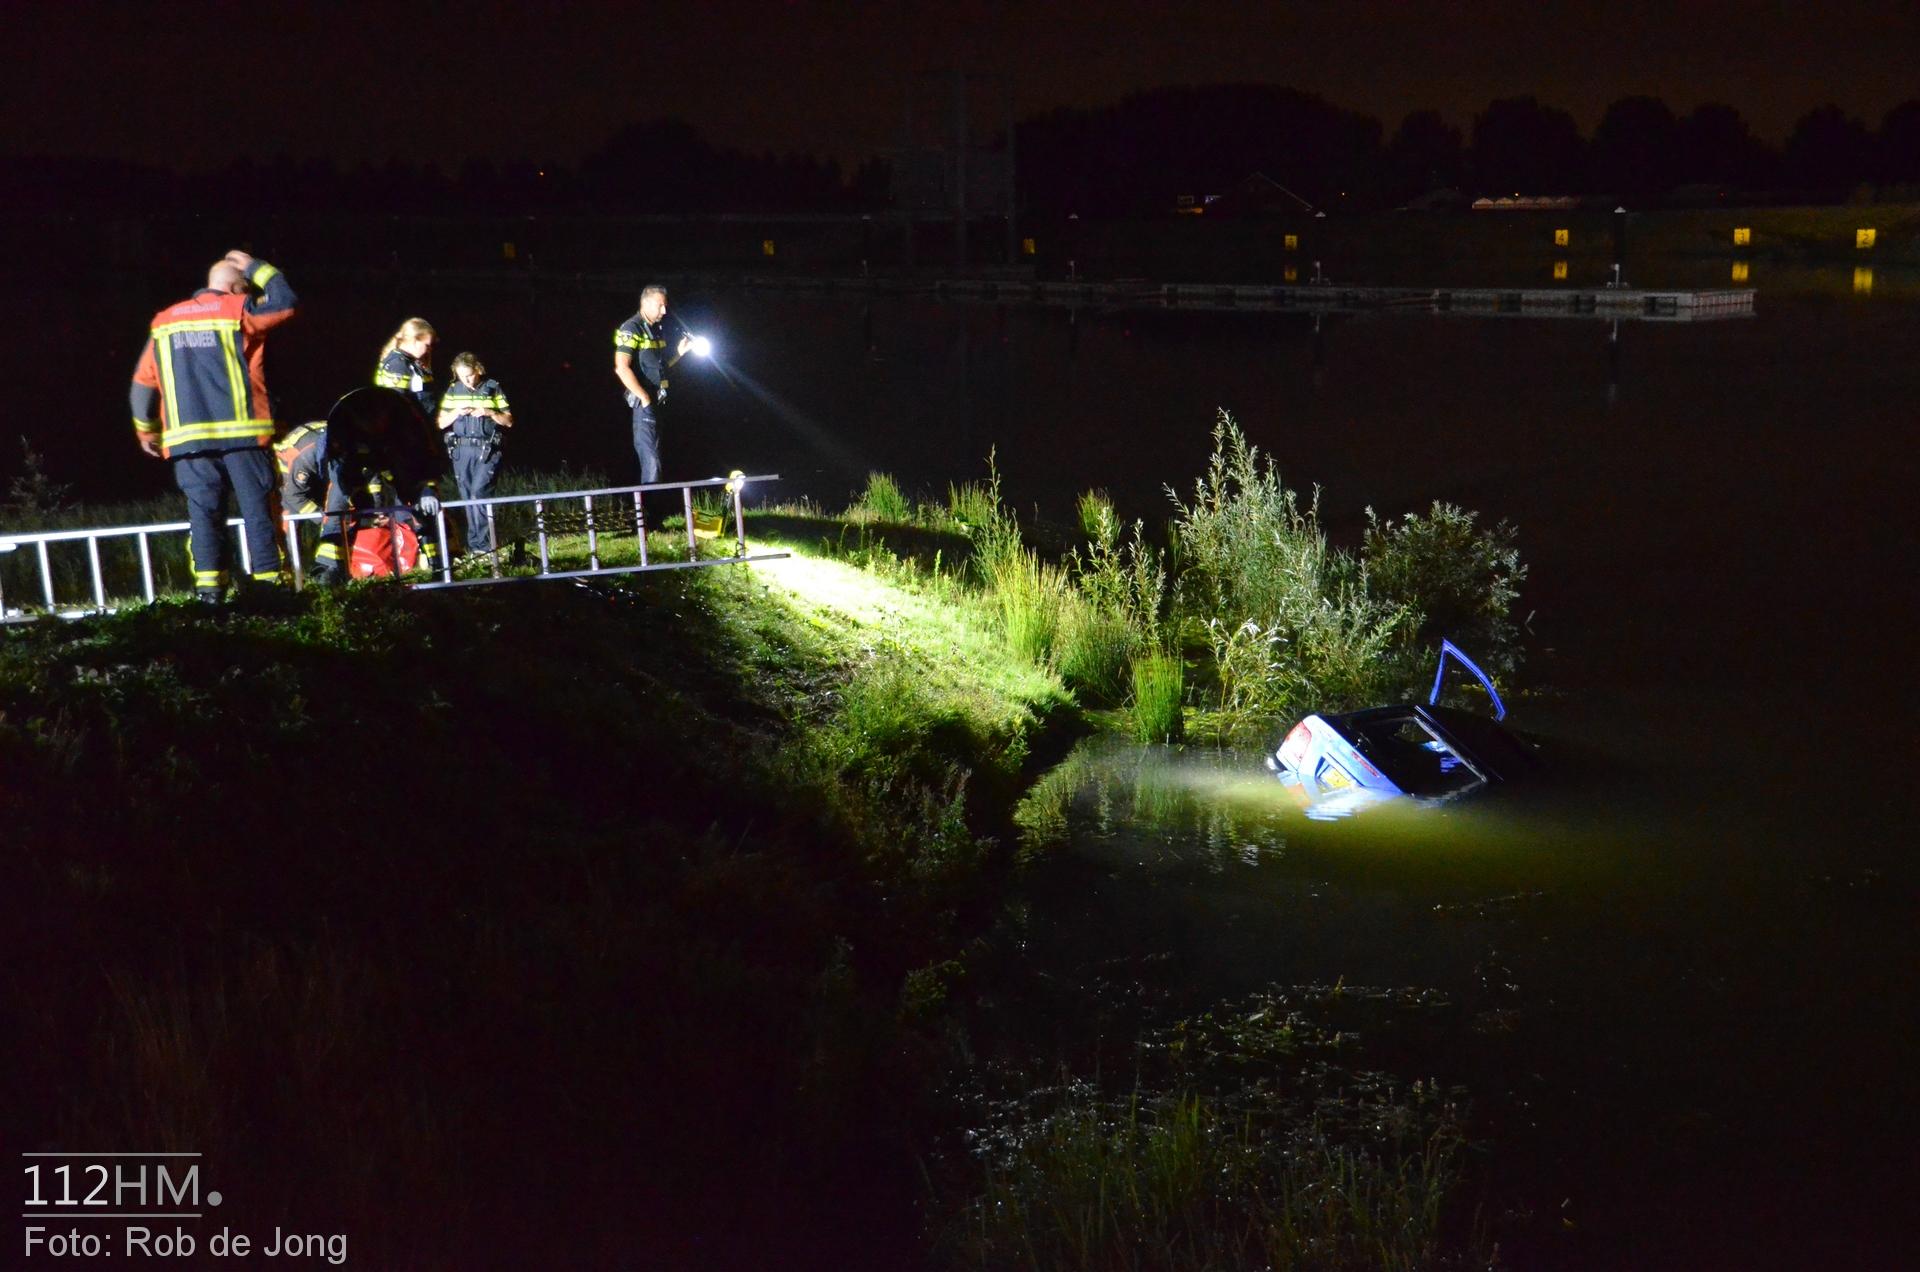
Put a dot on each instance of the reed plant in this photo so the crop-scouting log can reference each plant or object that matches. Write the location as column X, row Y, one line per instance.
column 1030, row 595
column 1159, row 690
column 973, row 503
column 1094, row 509
column 1094, row 649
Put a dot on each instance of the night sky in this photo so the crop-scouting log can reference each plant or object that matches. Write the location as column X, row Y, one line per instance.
column 438, row 82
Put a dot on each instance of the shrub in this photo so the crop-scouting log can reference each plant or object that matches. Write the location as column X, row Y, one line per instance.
column 1461, row 580
column 1127, row 581
column 1295, row 624
column 34, row 497
column 1249, row 549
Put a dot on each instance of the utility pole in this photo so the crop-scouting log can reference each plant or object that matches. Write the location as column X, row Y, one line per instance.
column 1013, row 232
column 960, row 171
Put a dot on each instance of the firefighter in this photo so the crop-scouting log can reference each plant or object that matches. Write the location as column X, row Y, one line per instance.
column 199, row 400
column 303, row 489
column 472, row 414
column 378, row 452
column 406, row 364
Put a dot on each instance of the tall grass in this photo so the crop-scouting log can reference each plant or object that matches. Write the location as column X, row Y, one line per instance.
column 1095, row 511
column 1094, row 649
column 973, row 503
column 1180, row 1181
column 1159, row 688
column 882, row 500
column 1030, row 595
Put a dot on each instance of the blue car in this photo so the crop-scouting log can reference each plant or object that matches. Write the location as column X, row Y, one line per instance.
column 1337, row 764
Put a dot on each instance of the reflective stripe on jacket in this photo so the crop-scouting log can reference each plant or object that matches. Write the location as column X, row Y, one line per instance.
column 303, row 479
column 402, row 371
column 466, row 403
column 206, row 357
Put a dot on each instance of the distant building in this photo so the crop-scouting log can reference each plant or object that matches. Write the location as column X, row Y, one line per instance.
column 1527, row 203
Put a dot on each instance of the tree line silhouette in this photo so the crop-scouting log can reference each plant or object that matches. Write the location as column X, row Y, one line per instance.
column 1133, row 157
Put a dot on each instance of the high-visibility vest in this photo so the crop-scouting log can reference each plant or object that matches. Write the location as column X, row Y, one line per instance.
column 212, row 388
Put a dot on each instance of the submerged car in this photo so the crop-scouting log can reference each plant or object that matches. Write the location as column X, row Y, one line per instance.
column 1336, row 764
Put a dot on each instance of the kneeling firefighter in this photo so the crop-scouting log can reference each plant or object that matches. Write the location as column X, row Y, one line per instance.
column 303, row 489
column 376, row 451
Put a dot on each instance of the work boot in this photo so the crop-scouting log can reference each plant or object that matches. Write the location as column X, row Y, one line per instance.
column 209, row 595
column 325, row 574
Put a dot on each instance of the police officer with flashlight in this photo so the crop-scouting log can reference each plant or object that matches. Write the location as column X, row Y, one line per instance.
column 641, row 362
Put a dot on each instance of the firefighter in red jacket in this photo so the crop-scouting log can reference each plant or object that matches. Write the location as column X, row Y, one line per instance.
column 199, row 400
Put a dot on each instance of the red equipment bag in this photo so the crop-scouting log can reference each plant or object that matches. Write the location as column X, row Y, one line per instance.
column 373, row 550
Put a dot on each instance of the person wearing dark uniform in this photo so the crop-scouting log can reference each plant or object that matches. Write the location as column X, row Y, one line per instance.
column 473, row 413
column 406, row 364
column 303, row 489
column 378, row 452
column 641, row 363
column 199, row 400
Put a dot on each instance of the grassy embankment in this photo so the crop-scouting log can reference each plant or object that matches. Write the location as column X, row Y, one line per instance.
column 564, row 922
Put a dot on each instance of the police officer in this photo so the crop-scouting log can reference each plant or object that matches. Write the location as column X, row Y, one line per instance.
column 378, row 452
column 406, row 364
column 473, row 411
column 641, row 362
column 199, row 400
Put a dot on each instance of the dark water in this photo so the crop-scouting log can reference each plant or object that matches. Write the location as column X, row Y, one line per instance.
column 1719, row 524
column 1715, row 515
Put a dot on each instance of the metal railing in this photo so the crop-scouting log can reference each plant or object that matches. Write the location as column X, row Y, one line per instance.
column 608, row 515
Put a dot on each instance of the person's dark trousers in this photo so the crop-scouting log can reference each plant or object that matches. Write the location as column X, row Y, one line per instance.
column 474, row 466
column 646, row 447
column 205, row 479
column 646, row 442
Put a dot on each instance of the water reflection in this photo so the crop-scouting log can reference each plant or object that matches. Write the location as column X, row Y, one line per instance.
column 1158, row 808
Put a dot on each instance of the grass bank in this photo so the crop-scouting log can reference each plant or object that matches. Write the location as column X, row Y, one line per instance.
column 665, row 909
column 414, row 913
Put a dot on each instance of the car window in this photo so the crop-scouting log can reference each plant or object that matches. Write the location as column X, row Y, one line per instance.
column 1417, row 761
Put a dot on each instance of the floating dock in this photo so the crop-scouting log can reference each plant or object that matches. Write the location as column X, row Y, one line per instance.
column 1540, row 302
